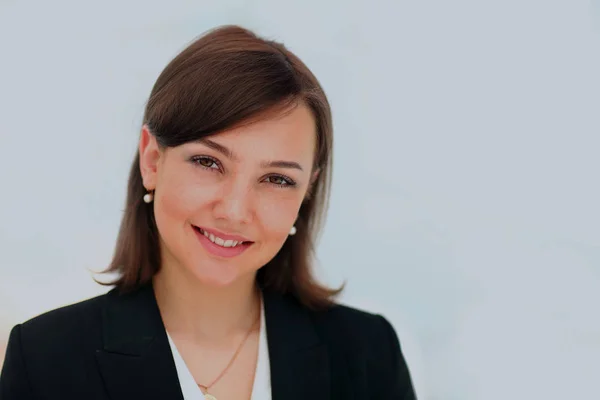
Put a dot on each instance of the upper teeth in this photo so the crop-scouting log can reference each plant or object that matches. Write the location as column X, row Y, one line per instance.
column 221, row 242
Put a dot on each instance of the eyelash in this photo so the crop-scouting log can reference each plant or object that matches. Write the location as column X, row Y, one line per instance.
column 197, row 159
column 289, row 182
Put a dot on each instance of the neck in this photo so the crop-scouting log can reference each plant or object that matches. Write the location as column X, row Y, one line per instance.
column 195, row 311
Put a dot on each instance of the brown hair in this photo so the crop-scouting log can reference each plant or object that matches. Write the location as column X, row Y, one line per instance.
column 227, row 77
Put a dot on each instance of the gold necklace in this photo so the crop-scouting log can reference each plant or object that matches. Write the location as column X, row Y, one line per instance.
column 205, row 388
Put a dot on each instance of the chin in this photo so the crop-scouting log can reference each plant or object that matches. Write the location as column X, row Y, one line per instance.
column 216, row 275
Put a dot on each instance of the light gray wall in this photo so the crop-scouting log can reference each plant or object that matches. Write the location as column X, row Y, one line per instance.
column 466, row 194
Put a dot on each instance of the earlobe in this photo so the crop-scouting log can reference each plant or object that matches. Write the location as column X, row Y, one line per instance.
column 149, row 155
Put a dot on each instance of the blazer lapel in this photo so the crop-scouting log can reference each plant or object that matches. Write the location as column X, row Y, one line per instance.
column 299, row 361
column 136, row 361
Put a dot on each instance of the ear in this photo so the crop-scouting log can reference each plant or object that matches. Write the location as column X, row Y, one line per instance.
column 149, row 158
column 313, row 180
column 315, row 176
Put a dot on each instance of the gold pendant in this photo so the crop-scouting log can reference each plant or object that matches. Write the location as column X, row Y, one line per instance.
column 205, row 392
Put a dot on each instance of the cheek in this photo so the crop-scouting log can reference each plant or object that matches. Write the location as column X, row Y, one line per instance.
column 179, row 200
column 277, row 215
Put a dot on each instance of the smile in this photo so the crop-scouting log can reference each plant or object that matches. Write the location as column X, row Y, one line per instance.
column 221, row 245
column 219, row 241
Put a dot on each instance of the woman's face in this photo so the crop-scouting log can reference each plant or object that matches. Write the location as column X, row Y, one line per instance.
column 224, row 205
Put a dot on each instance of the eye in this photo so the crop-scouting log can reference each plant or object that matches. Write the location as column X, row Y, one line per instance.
column 206, row 162
column 279, row 180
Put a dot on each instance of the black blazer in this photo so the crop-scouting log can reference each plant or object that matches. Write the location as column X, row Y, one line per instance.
column 115, row 347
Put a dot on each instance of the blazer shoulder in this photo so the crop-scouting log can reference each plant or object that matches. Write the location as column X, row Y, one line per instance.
column 370, row 340
column 355, row 328
column 349, row 319
column 61, row 323
column 49, row 346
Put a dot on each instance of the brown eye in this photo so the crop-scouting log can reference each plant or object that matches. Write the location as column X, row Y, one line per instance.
column 276, row 180
column 279, row 181
column 206, row 162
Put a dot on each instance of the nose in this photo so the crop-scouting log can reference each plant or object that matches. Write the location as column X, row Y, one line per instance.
column 235, row 203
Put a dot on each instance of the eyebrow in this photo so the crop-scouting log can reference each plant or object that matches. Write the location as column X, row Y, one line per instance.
column 265, row 164
column 217, row 147
column 281, row 164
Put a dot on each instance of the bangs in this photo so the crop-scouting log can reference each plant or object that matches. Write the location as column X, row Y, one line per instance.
column 209, row 94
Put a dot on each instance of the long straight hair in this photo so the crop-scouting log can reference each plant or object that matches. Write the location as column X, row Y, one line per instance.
column 228, row 77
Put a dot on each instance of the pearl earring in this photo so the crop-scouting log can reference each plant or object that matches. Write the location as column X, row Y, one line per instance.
column 293, row 231
column 148, row 197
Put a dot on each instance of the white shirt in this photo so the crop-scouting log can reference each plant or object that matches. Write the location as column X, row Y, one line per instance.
column 261, row 389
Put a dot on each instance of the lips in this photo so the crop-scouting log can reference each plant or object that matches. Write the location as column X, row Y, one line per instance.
column 222, row 239
column 221, row 245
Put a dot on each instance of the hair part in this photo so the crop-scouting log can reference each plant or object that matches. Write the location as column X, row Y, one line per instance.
column 226, row 78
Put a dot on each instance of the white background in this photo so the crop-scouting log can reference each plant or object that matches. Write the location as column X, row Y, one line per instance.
column 466, row 193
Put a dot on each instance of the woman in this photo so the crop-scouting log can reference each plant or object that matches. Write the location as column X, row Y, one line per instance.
column 214, row 297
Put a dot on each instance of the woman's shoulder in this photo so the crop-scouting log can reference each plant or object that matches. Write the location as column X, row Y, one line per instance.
column 336, row 323
column 49, row 345
column 360, row 327
column 367, row 339
column 68, row 314
column 63, row 324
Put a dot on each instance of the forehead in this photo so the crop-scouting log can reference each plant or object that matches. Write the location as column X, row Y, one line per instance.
column 290, row 135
